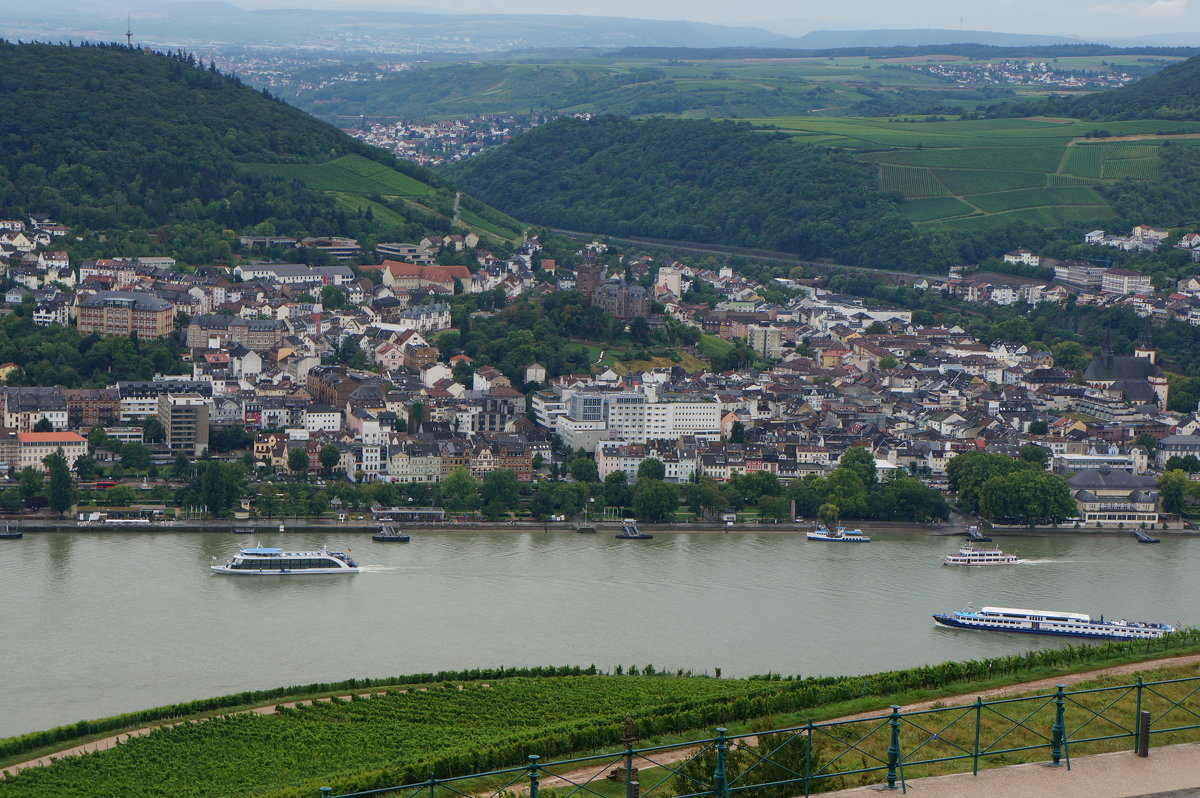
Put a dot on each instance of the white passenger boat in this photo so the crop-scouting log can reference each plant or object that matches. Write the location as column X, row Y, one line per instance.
column 840, row 535
column 970, row 554
column 1048, row 622
column 268, row 561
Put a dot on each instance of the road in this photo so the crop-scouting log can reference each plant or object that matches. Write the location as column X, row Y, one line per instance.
column 745, row 252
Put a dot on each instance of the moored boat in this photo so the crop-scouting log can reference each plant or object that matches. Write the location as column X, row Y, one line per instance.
column 839, row 535
column 390, row 534
column 970, row 554
column 243, row 530
column 10, row 533
column 629, row 531
column 269, row 561
column 973, row 533
column 1050, row 622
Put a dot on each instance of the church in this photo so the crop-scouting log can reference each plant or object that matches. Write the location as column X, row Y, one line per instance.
column 1137, row 379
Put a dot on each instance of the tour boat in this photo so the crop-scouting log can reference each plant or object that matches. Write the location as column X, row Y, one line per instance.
column 10, row 533
column 1047, row 622
column 970, row 554
column 840, row 535
column 260, row 560
column 629, row 531
column 389, row 534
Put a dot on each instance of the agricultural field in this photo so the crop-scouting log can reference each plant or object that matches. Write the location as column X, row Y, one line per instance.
column 983, row 174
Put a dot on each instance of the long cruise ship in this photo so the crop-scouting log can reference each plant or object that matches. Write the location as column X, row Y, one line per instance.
column 259, row 560
column 1047, row 622
column 970, row 554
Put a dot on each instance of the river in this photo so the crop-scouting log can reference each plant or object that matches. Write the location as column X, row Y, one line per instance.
column 101, row 623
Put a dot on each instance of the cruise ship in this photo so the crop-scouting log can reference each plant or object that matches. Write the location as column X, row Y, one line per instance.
column 840, row 535
column 970, row 554
column 1047, row 622
column 269, row 561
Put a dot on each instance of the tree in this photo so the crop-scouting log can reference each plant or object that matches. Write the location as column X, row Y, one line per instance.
column 737, row 432
column 1189, row 464
column 61, row 493
column 86, row 467
column 297, row 460
column 1147, row 441
column 1069, row 355
column 537, row 462
column 1038, row 428
column 152, row 430
column 181, row 469
column 861, row 462
column 135, row 456
column 888, row 362
column 460, row 491
column 1173, row 487
column 876, row 328
column 651, row 468
column 655, row 501
column 332, row 297
column 617, row 492
column 969, row 471
column 829, row 515
column 583, row 469
column 1027, row 494
column 97, row 438
column 1032, row 453
column 501, row 491
column 329, row 456
column 31, row 482
column 120, row 496
column 43, row 425
column 776, row 508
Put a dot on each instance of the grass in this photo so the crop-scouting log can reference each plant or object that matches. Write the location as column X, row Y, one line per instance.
column 924, row 210
column 711, row 345
column 350, row 174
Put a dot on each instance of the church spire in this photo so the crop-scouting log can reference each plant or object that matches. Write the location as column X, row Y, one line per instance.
column 1107, row 350
column 1145, row 347
column 1147, row 343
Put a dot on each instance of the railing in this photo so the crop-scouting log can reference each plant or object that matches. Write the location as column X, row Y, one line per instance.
column 816, row 757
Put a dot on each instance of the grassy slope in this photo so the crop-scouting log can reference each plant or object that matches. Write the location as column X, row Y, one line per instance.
column 988, row 173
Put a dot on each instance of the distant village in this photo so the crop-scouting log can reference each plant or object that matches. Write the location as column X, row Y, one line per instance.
column 835, row 371
column 431, row 143
column 1022, row 73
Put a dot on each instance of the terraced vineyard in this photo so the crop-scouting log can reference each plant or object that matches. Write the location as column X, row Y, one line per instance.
column 986, row 173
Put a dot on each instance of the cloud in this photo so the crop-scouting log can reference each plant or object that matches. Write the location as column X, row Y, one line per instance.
column 1158, row 9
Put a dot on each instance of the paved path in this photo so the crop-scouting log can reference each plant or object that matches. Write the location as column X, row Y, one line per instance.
column 1169, row 772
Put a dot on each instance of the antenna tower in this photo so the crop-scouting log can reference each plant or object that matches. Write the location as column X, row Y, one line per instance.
column 128, row 32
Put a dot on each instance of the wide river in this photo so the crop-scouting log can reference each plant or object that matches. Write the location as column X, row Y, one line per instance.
column 96, row 624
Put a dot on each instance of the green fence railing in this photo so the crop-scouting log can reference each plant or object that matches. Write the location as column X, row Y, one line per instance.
column 817, row 757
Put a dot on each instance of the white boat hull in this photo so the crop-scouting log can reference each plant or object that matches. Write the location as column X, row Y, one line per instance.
column 224, row 569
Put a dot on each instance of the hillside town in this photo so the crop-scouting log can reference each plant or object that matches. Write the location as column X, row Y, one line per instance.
column 342, row 364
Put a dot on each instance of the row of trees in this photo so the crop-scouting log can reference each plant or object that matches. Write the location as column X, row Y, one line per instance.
column 1000, row 487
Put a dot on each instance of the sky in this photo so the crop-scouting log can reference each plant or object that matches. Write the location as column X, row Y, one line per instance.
column 1058, row 17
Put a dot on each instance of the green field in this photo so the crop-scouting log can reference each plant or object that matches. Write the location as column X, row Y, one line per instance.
column 984, row 174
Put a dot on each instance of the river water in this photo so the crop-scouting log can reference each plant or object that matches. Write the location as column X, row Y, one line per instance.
column 96, row 624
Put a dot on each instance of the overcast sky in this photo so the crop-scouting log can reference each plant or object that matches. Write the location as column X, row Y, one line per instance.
column 1113, row 18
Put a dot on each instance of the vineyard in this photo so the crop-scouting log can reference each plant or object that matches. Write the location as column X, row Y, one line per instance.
column 985, row 174
column 377, row 736
column 352, row 174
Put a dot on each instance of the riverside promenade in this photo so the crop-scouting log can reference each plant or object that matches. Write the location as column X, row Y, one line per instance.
column 1171, row 771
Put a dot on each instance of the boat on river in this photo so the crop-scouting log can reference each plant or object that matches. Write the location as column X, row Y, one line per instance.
column 1050, row 622
column 390, row 534
column 10, row 533
column 839, row 535
column 970, row 554
column 260, row 560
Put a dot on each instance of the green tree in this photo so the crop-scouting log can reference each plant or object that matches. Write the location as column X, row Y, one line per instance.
column 332, row 297
column 181, row 469
column 583, row 469
column 61, row 492
column 1147, row 441
column 651, row 468
column 43, row 425
column 297, row 460
column 135, row 456
column 1069, row 355
column 501, row 490
column 460, row 491
column 860, row 460
column 329, row 456
column 888, row 362
column 617, row 492
column 969, row 471
column 86, row 467
column 829, row 515
column 1032, row 453
column 845, row 489
column 120, row 496
column 775, row 508
column 737, row 432
column 31, row 482
column 1189, row 464
column 152, row 430
column 1173, row 487
column 1026, row 494
column 97, row 438
column 1038, row 428
column 655, row 501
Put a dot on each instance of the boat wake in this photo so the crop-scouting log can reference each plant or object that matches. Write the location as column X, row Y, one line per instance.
column 1024, row 561
column 381, row 569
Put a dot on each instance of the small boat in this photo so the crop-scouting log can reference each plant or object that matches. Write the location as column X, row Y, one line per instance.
column 389, row 534
column 1142, row 537
column 585, row 529
column 839, row 535
column 243, row 530
column 629, row 531
column 258, row 560
column 973, row 533
column 10, row 533
column 1048, row 622
column 970, row 554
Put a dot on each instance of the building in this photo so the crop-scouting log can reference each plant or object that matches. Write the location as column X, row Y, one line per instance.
column 765, row 339
column 1136, row 379
column 140, row 399
column 635, row 417
column 184, row 419
column 214, row 332
column 33, row 447
column 1124, row 281
column 124, row 313
column 1108, row 498
column 295, row 273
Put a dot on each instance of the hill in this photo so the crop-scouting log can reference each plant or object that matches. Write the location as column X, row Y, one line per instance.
column 915, row 37
column 1173, row 93
column 110, row 138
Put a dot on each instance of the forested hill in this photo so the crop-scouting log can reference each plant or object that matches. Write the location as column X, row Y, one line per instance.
column 695, row 180
column 109, row 137
column 1173, row 93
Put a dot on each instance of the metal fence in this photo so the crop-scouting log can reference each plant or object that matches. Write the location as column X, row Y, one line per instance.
column 817, row 757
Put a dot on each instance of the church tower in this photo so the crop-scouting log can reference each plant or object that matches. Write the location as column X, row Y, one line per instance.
column 1145, row 347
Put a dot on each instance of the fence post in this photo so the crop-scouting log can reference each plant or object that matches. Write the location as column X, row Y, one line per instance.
column 432, row 785
column 720, row 779
column 1057, row 730
column 1143, row 734
column 1137, row 712
column 978, row 724
column 808, row 758
column 533, row 775
column 629, row 782
column 893, row 750
column 326, row 792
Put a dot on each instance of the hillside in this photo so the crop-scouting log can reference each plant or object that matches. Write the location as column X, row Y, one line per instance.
column 1173, row 93
column 164, row 141
column 695, row 180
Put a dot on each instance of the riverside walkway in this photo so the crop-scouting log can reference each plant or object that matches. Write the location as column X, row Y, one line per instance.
column 1171, row 771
